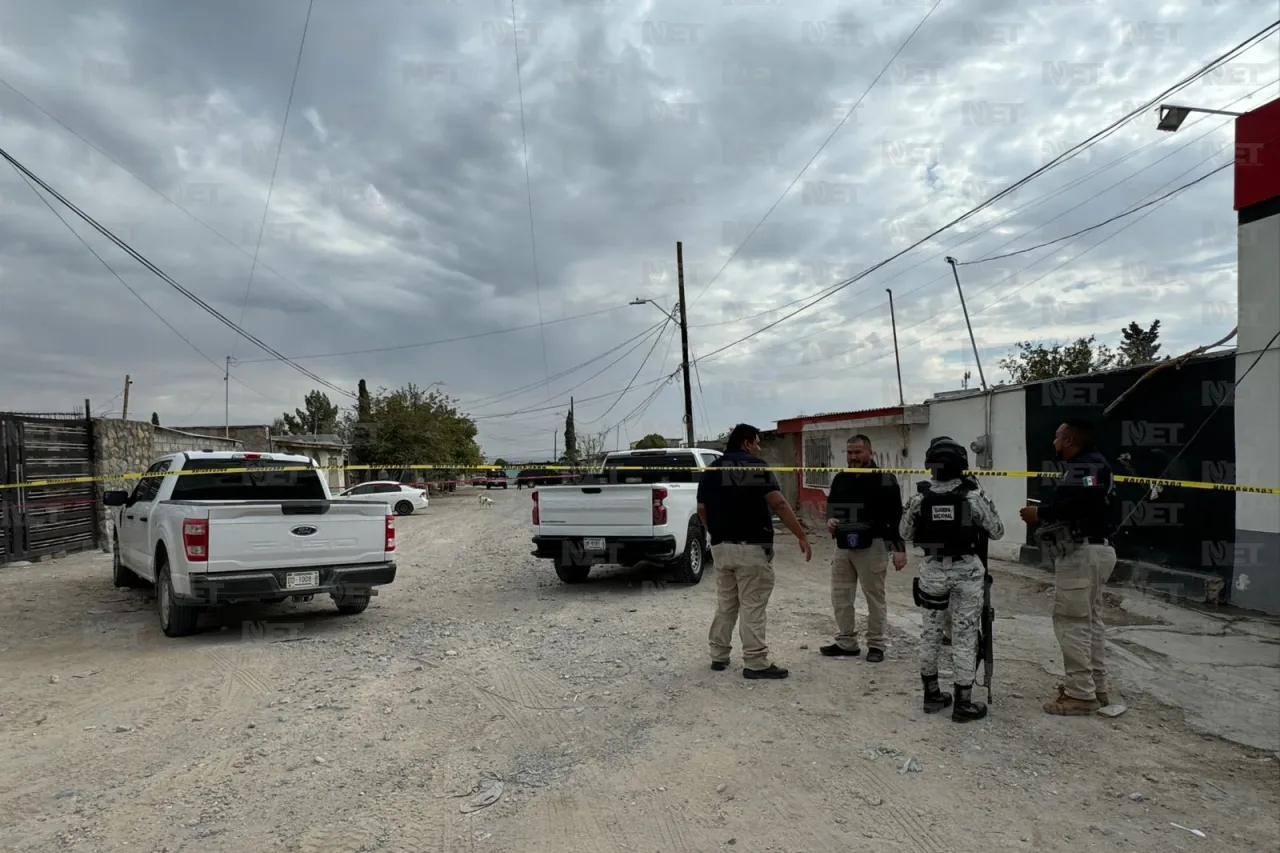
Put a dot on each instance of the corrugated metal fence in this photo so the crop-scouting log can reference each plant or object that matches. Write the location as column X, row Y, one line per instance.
column 40, row 521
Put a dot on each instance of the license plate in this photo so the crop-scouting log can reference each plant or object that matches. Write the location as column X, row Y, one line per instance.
column 302, row 580
column 593, row 544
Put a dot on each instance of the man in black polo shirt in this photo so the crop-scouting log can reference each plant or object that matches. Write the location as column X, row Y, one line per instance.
column 736, row 505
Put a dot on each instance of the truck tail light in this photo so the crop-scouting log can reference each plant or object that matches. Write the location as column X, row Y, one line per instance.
column 195, row 539
column 391, row 533
column 659, row 508
column 535, row 508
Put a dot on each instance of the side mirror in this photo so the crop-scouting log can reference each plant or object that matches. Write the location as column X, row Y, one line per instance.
column 115, row 498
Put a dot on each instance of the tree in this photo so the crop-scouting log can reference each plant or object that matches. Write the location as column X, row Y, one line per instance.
column 501, row 463
column 570, row 440
column 652, row 441
column 155, row 419
column 592, row 448
column 1036, row 361
column 1138, row 345
column 320, row 415
column 411, row 427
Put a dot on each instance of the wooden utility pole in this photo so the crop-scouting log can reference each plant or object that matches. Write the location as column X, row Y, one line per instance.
column 684, row 347
column 124, row 410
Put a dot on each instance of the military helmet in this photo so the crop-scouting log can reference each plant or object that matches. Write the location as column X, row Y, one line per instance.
column 945, row 450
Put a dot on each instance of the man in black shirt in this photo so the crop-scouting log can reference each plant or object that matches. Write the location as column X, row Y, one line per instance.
column 863, row 512
column 1074, row 531
column 736, row 503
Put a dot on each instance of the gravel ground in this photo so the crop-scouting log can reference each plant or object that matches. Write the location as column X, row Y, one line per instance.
column 589, row 712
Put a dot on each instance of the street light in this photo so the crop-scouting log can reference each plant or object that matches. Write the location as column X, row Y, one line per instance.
column 655, row 305
column 1172, row 116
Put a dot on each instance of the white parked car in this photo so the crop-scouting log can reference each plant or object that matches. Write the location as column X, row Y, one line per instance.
column 401, row 498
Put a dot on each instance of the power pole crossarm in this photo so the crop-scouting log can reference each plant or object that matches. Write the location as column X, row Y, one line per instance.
column 684, row 348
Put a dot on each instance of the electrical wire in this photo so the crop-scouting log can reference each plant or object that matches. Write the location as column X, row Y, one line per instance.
column 165, row 276
column 1107, row 221
column 821, row 148
column 1061, row 158
column 1027, row 205
column 632, row 382
column 223, row 237
column 528, row 188
column 503, row 395
column 947, row 275
column 702, row 396
column 266, row 208
column 419, row 344
column 1225, row 397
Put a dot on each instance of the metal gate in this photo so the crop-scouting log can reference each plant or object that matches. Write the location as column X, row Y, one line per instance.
column 42, row 520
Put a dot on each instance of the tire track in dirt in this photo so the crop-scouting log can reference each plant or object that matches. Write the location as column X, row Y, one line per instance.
column 244, row 682
column 898, row 806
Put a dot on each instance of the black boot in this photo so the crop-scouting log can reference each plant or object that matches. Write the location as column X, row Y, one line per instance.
column 934, row 699
column 967, row 710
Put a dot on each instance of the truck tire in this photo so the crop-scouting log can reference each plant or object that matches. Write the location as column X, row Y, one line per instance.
column 176, row 619
column 693, row 562
column 121, row 576
column 353, row 603
column 570, row 573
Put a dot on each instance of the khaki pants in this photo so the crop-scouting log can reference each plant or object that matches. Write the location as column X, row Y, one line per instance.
column 870, row 568
column 1077, row 617
column 744, row 582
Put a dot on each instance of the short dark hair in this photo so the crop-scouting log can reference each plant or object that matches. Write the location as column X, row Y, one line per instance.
column 1081, row 431
column 859, row 437
column 739, row 436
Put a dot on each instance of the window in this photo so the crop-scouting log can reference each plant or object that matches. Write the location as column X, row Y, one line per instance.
column 385, row 488
column 250, row 485
column 361, row 490
column 149, row 487
column 817, row 454
column 659, row 468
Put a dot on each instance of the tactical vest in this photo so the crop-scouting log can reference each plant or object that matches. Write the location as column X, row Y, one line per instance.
column 946, row 527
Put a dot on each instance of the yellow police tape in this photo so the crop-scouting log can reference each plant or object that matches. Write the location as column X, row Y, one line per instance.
column 1148, row 481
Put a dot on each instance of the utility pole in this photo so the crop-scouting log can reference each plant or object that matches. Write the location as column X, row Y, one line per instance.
column 897, row 359
column 124, row 410
column 226, row 399
column 555, row 447
column 684, row 347
column 955, row 272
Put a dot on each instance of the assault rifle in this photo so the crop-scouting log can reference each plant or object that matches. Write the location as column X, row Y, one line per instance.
column 986, row 649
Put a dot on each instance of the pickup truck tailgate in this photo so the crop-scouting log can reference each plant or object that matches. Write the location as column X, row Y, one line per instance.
column 261, row 535
column 574, row 510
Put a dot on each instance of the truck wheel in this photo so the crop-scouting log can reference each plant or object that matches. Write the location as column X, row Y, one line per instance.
column 570, row 573
column 404, row 508
column 121, row 576
column 176, row 619
column 353, row 603
column 691, row 565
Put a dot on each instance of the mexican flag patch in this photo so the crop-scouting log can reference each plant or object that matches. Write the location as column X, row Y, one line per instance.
column 1090, row 481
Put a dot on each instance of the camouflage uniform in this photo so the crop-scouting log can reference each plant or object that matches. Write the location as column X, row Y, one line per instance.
column 961, row 579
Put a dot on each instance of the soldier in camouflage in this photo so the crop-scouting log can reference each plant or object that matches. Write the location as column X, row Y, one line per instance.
column 946, row 519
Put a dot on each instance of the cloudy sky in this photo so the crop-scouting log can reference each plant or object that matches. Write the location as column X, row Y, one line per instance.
column 397, row 243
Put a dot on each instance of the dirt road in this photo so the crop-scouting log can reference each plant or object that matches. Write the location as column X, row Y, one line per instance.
column 292, row 728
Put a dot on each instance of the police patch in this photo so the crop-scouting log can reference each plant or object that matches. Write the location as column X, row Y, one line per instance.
column 944, row 513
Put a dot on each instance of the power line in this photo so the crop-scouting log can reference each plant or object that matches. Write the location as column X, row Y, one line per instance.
column 528, row 189
column 1014, row 239
column 1061, row 158
column 632, row 382
column 266, row 208
column 1030, row 203
column 133, row 253
column 821, row 148
column 503, row 395
column 419, row 344
column 1107, row 221
column 224, row 238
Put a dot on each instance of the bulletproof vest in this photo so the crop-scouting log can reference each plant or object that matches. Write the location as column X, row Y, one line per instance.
column 946, row 527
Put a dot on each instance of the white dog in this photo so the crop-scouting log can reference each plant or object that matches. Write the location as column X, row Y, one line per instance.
column 485, row 500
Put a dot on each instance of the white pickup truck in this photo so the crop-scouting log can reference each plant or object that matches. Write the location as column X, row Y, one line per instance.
column 211, row 538
column 625, row 517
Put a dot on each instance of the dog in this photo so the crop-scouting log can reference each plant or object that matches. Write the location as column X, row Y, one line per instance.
column 486, row 501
